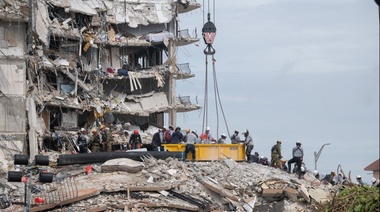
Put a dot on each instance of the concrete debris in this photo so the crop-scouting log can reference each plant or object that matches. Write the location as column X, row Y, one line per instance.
column 172, row 185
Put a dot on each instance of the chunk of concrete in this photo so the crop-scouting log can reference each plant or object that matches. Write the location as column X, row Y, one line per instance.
column 291, row 193
column 319, row 195
column 304, row 193
column 122, row 164
column 271, row 193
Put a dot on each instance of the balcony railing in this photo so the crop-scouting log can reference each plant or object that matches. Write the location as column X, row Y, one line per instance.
column 184, row 100
column 184, row 68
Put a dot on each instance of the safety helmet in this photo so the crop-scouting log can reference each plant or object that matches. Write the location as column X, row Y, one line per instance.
column 302, row 169
column 246, row 131
column 279, row 141
column 358, row 177
column 315, row 172
column 102, row 127
column 298, row 143
column 207, row 128
column 165, row 127
column 283, row 160
column 136, row 132
column 236, row 131
column 373, row 180
column 82, row 130
column 224, row 135
column 94, row 131
column 187, row 130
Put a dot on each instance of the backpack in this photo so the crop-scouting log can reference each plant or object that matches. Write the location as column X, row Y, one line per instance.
column 273, row 148
column 168, row 137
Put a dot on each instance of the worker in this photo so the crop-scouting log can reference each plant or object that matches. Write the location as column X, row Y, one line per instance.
column 167, row 134
column 276, row 155
column 248, row 142
column 104, row 139
column 156, row 140
column 359, row 180
column 283, row 164
column 235, row 139
column 190, row 141
column 375, row 182
column 222, row 139
column 297, row 158
column 206, row 137
column 135, row 140
column 177, row 136
column 95, row 144
column 82, row 141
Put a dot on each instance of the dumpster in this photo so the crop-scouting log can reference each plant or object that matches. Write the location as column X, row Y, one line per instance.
column 209, row 152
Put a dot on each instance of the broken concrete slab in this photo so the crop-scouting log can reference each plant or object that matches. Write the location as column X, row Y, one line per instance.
column 271, row 193
column 304, row 193
column 319, row 195
column 122, row 164
column 291, row 193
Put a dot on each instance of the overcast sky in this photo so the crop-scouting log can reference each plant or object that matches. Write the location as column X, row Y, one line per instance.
column 292, row 70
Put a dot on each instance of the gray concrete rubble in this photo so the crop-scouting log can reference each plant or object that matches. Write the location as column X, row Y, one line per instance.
column 171, row 185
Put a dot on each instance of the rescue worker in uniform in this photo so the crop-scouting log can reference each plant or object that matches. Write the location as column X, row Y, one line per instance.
column 235, row 139
column 135, row 140
column 249, row 145
column 191, row 139
column 95, row 144
column 276, row 155
column 82, row 141
column 104, row 139
column 222, row 139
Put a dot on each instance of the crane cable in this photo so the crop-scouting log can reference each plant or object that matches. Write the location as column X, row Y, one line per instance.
column 209, row 33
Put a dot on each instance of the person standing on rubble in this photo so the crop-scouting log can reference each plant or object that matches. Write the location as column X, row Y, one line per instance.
column 191, row 139
column 104, row 138
column 177, row 136
column 82, row 141
column 135, row 140
column 156, row 140
column 248, row 142
column 276, row 155
column 235, row 139
column 95, row 144
column 297, row 158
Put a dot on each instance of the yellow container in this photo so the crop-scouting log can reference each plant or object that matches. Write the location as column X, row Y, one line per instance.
column 207, row 152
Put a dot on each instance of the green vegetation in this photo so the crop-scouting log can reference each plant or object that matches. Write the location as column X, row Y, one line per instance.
column 354, row 199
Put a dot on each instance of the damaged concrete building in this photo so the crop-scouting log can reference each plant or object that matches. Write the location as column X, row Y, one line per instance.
column 68, row 64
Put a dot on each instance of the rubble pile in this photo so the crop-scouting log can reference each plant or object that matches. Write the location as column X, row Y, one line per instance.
column 173, row 185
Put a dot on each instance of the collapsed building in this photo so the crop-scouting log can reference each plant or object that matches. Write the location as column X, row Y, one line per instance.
column 68, row 64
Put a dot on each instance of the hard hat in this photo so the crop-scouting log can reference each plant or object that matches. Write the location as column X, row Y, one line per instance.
column 315, row 172
column 82, row 129
column 187, row 130
column 94, row 130
column 136, row 132
column 246, row 131
column 298, row 143
column 279, row 141
column 224, row 135
column 207, row 128
column 373, row 180
column 358, row 177
column 283, row 160
column 236, row 131
column 165, row 127
column 102, row 127
column 302, row 169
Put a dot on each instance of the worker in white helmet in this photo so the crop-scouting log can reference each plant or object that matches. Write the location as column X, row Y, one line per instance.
column 359, row 180
column 222, row 139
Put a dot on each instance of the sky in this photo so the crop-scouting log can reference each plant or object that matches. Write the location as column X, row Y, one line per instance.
column 291, row 70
